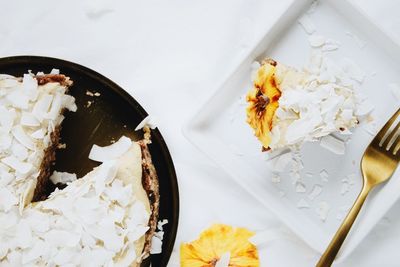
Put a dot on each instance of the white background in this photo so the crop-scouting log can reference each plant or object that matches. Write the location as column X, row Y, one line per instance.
column 170, row 55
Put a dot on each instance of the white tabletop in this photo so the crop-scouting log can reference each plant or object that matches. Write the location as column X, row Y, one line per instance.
column 169, row 55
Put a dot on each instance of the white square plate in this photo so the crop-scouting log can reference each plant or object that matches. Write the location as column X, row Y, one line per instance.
column 220, row 129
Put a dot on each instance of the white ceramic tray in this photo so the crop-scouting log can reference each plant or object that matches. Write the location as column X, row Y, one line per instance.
column 219, row 128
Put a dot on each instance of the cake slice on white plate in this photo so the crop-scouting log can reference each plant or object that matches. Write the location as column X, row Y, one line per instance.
column 287, row 107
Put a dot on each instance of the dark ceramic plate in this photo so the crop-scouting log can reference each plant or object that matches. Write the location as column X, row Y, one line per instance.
column 112, row 114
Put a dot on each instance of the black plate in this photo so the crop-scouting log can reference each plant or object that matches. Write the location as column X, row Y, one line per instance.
column 113, row 114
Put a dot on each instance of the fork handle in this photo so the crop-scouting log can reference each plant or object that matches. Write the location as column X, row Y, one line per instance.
column 334, row 246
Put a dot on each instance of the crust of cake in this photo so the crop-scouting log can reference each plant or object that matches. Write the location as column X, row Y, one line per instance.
column 151, row 186
column 45, row 167
column 50, row 152
column 53, row 78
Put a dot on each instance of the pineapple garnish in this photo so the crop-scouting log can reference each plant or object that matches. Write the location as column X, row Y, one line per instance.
column 263, row 102
column 215, row 242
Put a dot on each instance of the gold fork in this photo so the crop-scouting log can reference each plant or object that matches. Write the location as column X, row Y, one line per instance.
column 378, row 163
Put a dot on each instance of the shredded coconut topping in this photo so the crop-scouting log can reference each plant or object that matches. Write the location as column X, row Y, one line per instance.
column 316, row 101
column 28, row 115
column 95, row 220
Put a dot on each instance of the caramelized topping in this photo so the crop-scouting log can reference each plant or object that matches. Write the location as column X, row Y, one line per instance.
column 263, row 102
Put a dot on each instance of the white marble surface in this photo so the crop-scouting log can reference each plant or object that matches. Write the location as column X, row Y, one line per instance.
column 169, row 55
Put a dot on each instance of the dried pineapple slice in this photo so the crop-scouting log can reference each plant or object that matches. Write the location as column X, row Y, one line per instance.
column 263, row 102
column 217, row 240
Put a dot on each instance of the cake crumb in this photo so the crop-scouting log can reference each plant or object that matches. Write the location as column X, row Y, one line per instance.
column 88, row 104
column 316, row 191
column 322, row 210
column 307, row 24
column 89, row 93
column 300, row 188
column 324, row 175
column 309, row 174
column 345, row 187
column 275, row 178
column 302, row 204
column 62, row 146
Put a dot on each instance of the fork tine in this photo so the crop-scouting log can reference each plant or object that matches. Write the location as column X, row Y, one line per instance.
column 386, row 143
column 396, row 146
column 378, row 138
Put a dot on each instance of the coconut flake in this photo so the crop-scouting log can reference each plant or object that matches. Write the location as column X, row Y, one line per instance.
column 27, row 119
column 352, row 69
column 307, row 24
column 324, row 175
column 7, row 118
column 316, row 191
column 295, row 176
column 333, row 144
column 300, row 188
column 68, row 102
column 19, row 151
column 345, row 187
column 302, row 204
column 19, row 134
column 23, row 236
column 18, row 98
column 29, row 86
column 149, row 121
column 62, row 177
column 330, row 45
column 113, row 151
column 322, row 210
column 7, row 200
column 42, row 106
column 39, row 134
column 55, row 71
column 61, row 238
column 316, row 40
column 19, row 166
column 275, row 178
column 55, row 108
column 156, row 245
column 264, row 236
column 156, row 241
column 5, row 141
column 312, row 7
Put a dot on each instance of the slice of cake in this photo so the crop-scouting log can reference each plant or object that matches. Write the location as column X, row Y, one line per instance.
column 287, row 107
column 105, row 218
column 31, row 113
